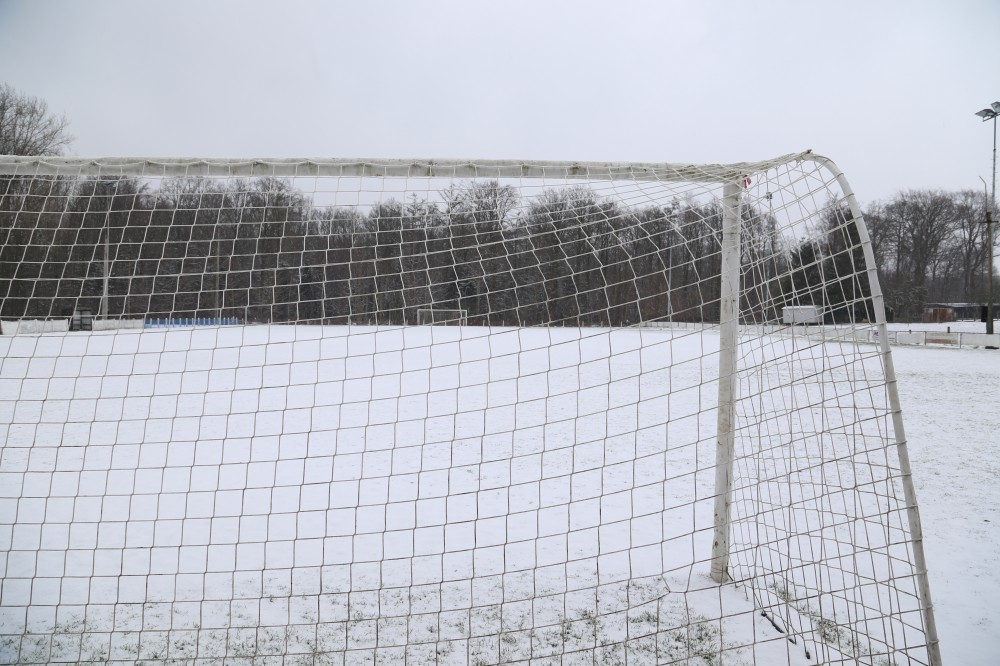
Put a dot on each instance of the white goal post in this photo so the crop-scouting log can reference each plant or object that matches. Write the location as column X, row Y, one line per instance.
column 617, row 453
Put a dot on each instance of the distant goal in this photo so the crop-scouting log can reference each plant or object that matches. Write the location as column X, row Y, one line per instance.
column 621, row 455
column 436, row 317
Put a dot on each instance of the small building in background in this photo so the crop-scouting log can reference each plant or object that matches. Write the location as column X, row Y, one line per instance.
column 942, row 312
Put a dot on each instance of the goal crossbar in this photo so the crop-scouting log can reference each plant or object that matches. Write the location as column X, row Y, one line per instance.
column 388, row 168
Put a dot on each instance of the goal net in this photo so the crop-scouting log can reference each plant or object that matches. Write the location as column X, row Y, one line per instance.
column 621, row 455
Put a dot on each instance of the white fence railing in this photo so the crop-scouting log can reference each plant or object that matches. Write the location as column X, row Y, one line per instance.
column 865, row 333
column 943, row 338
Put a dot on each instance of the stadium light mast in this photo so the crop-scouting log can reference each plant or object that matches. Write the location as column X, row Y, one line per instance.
column 102, row 310
column 991, row 114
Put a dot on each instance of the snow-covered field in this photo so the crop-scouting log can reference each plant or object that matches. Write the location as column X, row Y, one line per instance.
column 442, row 494
column 951, row 408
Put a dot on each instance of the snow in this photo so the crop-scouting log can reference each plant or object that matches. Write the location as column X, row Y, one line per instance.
column 951, row 409
column 440, row 478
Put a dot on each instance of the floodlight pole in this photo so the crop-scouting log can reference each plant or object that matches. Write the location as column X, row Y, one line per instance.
column 103, row 310
column 989, row 233
column 990, row 114
column 670, row 272
column 989, row 259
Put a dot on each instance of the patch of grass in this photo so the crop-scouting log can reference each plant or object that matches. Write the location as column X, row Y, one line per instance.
column 630, row 623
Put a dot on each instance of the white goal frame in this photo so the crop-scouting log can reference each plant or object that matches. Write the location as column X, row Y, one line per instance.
column 731, row 178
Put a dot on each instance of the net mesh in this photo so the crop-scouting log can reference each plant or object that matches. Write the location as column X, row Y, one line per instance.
column 228, row 436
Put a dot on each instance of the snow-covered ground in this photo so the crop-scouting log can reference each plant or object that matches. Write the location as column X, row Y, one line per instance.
column 951, row 410
column 166, row 493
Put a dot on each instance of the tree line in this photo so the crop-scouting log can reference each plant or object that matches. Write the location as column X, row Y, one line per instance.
column 260, row 250
column 930, row 247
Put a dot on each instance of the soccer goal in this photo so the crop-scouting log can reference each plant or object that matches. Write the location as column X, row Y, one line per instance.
column 434, row 316
column 622, row 455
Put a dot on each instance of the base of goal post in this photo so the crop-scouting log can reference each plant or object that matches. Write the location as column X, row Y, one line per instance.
column 436, row 317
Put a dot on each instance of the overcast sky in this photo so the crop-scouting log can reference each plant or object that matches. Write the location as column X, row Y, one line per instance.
column 886, row 89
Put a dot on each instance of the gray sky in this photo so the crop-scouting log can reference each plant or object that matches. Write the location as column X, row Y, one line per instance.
column 888, row 89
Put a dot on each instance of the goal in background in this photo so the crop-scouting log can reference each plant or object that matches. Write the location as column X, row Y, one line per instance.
column 435, row 316
column 629, row 459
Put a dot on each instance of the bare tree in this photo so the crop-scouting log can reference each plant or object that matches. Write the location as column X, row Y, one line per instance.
column 27, row 127
column 967, row 244
column 488, row 203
